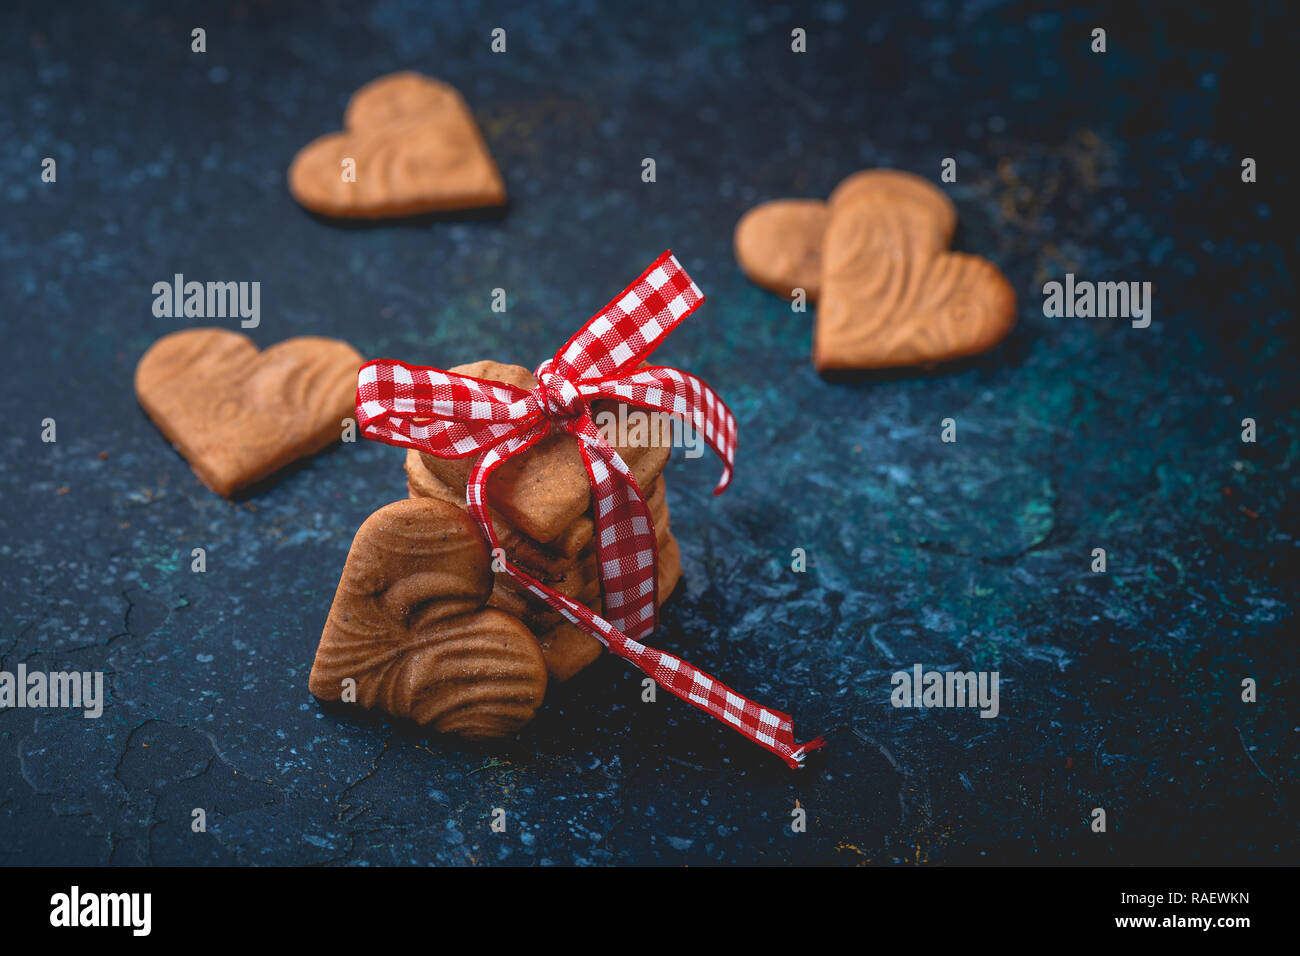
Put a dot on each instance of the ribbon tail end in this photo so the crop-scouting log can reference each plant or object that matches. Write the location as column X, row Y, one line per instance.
column 795, row 760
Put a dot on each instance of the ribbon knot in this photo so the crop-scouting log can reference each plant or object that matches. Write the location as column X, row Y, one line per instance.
column 557, row 395
column 455, row 416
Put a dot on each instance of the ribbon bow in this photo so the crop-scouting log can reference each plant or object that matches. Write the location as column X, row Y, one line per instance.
column 453, row 416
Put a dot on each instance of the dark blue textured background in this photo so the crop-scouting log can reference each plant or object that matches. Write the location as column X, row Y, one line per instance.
column 1118, row 690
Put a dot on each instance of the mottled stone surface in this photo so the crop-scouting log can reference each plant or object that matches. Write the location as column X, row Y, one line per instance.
column 1118, row 690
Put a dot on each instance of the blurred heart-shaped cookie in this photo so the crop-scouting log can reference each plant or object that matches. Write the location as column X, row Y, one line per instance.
column 408, row 633
column 414, row 148
column 891, row 293
column 239, row 415
column 779, row 245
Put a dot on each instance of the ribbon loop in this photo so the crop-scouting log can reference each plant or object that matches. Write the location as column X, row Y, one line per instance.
column 455, row 416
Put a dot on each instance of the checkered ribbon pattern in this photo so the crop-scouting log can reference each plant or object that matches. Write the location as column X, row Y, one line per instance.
column 454, row 416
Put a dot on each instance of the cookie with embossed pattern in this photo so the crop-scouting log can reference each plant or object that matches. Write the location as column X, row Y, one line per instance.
column 414, row 148
column 408, row 632
column 238, row 415
column 891, row 293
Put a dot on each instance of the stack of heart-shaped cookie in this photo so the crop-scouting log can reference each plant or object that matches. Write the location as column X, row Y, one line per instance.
column 541, row 511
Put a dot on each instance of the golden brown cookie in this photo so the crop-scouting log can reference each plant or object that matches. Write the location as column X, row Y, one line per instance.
column 415, row 148
column 543, row 491
column 239, row 415
column 670, row 567
column 779, row 245
column 568, row 648
column 407, row 626
column 891, row 293
column 582, row 585
column 902, row 188
column 536, row 558
column 581, row 581
column 542, row 561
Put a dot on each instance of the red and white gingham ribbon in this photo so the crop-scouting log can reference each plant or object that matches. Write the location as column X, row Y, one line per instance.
column 453, row 416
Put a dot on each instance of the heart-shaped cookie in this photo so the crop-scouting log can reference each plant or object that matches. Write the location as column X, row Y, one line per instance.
column 891, row 293
column 548, row 561
column 545, row 491
column 408, row 626
column 779, row 245
column 239, row 415
column 414, row 146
